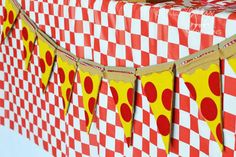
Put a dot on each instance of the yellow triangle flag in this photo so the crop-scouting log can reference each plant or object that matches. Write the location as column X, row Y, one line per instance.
column 202, row 78
column 90, row 78
column 11, row 12
column 66, row 69
column 122, row 87
column 47, row 56
column 29, row 38
column 158, row 84
column 228, row 50
column 232, row 63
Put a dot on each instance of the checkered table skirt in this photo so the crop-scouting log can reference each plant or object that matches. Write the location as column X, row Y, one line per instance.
column 116, row 34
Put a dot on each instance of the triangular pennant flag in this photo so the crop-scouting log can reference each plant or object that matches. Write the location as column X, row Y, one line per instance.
column 90, row 78
column 201, row 74
column 158, row 84
column 122, row 86
column 66, row 69
column 228, row 49
column 11, row 12
column 29, row 38
column 47, row 49
column 232, row 63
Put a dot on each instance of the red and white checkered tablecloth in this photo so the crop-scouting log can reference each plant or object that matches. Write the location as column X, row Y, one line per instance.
column 116, row 33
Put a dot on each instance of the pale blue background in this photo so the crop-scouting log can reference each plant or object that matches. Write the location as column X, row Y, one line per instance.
column 14, row 145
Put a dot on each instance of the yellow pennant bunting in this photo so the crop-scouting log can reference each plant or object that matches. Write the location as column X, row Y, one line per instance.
column 158, row 84
column 90, row 78
column 11, row 12
column 66, row 69
column 228, row 49
column 47, row 56
column 202, row 78
column 122, row 86
column 29, row 38
column 200, row 72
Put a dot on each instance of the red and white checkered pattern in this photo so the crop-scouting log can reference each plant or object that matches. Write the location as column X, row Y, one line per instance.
column 121, row 34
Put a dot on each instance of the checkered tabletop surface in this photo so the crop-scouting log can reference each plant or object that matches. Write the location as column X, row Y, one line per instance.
column 116, row 33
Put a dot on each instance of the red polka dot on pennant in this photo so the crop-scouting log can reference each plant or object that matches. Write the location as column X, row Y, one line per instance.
column 31, row 46
column 192, row 90
column 114, row 94
column 208, row 109
column 91, row 104
column 49, row 58
column 214, row 83
column 125, row 112
column 68, row 93
column 11, row 17
column 150, row 91
column 24, row 53
column 71, row 76
column 167, row 99
column 163, row 125
column 42, row 65
column 88, row 85
column 25, row 33
column 86, row 118
column 61, row 75
column 219, row 133
column 130, row 94
column 2, row 37
column 7, row 31
column 4, row 14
